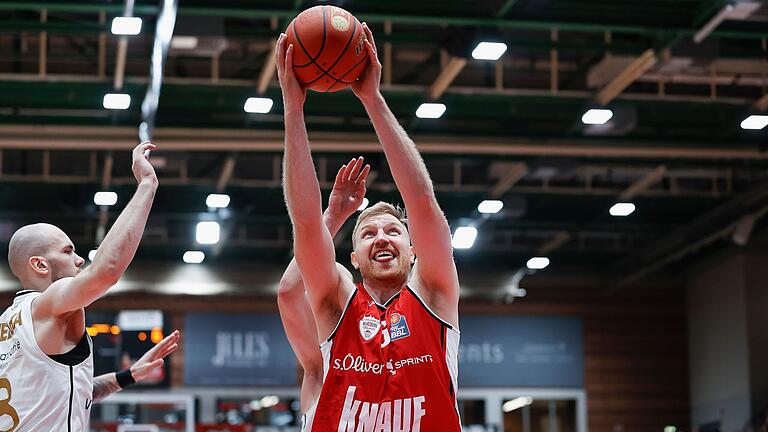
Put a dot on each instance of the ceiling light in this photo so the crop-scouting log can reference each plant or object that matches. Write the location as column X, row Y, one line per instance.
column 430, row 110
column 269, row 401
column 596, row 116
column 489, row 50
column 105, row 198
column 537, row 263
column 736, row 11
column 116, row 101
column 743, row 229
column 490, row 206
column 184, row 42
column 464, row 237
column 217, row 200
column 755, row 122
column 516, row 403
column 258, row 105
column 363, row 205
column 622, row 209
column 207, row 232
column 126, row 26
column 193, row 257
column 91, row 255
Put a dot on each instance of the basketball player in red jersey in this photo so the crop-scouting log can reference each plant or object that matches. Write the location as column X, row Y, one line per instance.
column 390, row 343
column 346, row 196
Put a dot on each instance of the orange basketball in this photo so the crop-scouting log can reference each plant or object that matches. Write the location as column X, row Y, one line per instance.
column 328, row 48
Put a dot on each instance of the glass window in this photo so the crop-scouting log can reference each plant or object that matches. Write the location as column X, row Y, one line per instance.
column 268, row 410
column 525, row 414
column 160, row 417
column 472, row 412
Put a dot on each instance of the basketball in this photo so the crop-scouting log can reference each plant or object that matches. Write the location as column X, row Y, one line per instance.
column 328, row 48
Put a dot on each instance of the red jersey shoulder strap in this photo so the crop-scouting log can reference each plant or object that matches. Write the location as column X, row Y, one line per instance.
column 343, row 314
column 427, row 308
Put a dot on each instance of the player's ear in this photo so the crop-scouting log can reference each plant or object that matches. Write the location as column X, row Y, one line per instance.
column 353, row 258
column 39, row 265
column 413, row 255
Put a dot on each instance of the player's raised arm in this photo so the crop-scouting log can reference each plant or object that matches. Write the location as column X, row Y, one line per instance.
column 435, row 271
column 115, row 252
column 313, row 245
column 295, row 312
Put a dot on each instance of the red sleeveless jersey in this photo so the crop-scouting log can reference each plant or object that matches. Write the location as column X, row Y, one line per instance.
column 388, row 368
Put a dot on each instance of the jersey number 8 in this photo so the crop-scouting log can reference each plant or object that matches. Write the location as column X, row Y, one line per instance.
column 5, row 407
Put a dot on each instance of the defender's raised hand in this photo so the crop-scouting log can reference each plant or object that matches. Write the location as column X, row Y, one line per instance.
column 140, row 166
column 153, row 358
column 348, row 189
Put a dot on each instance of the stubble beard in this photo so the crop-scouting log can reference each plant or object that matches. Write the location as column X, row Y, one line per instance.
column 57, row 273
column 396, row 275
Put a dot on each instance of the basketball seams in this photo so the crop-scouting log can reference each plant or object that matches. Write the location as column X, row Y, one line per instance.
column 341, row 80
column 303, row 48
column 341, row 55
column 351, row 69
column 338, row 59
column 313, row 60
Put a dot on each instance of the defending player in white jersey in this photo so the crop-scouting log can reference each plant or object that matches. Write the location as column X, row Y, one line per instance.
column 346, row 197
column 46, row 356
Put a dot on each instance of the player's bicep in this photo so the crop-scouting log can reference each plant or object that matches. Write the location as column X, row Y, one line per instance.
column 316, row 257
column 69, row 294
column 300, row 327
column 431, row 238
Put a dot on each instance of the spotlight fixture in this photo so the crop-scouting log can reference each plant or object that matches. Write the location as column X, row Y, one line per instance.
column 119, row 101
column 464, row 237
column 596, row 116
column 207, row 232
column 622, row 209
column 430, row 110
column 126, row 26
column 489, row 50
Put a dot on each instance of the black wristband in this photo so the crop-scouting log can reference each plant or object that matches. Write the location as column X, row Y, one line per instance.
column 124, row 378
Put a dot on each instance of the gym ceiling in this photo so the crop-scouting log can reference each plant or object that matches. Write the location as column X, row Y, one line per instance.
column 512, row 129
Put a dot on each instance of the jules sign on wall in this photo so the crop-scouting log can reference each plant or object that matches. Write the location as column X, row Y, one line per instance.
column 237, row 349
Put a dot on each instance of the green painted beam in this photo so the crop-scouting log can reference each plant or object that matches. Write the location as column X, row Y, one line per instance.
column 505, row 8
column 116, row 8
column 706, row 11
column 399, row 19
column 81, row 27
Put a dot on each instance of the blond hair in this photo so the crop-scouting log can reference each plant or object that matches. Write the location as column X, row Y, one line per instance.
column 378, row 209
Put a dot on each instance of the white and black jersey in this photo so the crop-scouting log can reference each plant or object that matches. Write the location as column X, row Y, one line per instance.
column 39, row 392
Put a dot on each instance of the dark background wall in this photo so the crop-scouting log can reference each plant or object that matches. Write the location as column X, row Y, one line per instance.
column 635, row 340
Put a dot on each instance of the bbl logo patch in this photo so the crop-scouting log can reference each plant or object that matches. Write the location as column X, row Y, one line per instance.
column 369, row 327
column 398, row 327
column 339, row 23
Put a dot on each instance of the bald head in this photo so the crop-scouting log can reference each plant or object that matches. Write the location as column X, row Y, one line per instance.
column 28, row 241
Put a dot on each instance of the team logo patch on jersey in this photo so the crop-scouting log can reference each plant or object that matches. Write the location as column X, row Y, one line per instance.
column 369, row 327
column 398, row 327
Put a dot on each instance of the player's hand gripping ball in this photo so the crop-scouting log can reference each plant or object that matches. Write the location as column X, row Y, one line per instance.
column 328, row 48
